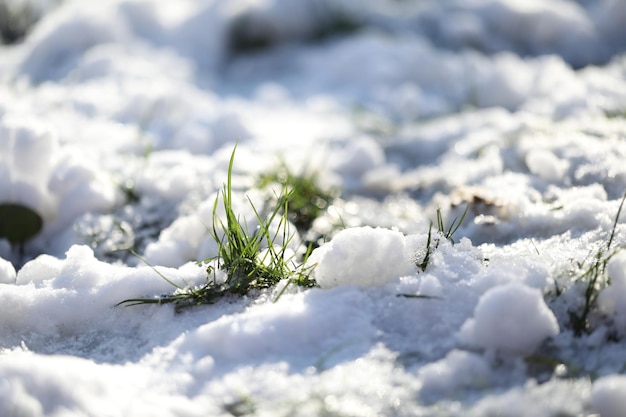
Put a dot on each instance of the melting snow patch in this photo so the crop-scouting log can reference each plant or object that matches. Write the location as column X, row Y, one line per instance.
column 117, row 122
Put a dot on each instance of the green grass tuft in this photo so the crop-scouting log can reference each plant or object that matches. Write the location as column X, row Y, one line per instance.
column 432, row 242
column 250, row 259
column 305, row 198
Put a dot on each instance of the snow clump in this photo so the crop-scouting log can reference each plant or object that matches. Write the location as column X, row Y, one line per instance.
column 58, row 184
column 511, row 319
column 608, row 396
column 546, row 165
column 458, row 370
column 25, row 163
column 362, row 256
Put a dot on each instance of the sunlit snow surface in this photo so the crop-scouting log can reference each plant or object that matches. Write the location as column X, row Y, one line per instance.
column 117, row 122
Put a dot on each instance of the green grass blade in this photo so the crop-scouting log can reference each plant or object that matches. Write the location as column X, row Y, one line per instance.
column 619, row 211
column 145, row 261
column 456, row 223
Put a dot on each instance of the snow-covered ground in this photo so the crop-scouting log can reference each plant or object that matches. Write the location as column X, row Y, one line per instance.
column 117, row 122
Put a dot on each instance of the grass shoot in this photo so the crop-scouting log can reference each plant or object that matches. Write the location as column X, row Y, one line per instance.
column 595, row 277
column 305, row 198
column 250, row 259
column 433, row 240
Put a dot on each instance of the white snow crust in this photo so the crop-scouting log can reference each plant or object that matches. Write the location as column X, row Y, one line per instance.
column 118, row 120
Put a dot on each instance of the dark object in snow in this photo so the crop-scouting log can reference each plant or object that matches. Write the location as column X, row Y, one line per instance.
column 260, row 28
column 18, row 18
column 18, row 223
column 14, row 26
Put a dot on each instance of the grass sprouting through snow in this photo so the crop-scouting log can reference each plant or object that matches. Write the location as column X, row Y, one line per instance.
column 432, row 242
column 596, row 278
column 250, row 259
column 306, row 199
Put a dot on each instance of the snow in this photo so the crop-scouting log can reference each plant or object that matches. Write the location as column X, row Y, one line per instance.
column 7, row 272
column 612, row 302
column 117, row 124
column 510, row 318
column 607, row 396
column 361, row 256
column 458, row 370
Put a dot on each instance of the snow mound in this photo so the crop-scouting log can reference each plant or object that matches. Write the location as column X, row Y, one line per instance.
column 25, row 164
column 59, row 184
column 315, row 323
column 546, row 165
column 458, row 370
column 362, row 256
column 512, row 319
column 48, row 293
column 58, row 385
column 55, row 44
column 608, row 396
